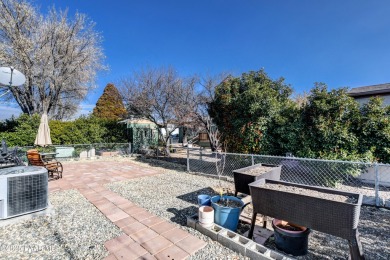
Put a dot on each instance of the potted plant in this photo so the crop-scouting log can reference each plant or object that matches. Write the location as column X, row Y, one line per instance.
column 227, row 209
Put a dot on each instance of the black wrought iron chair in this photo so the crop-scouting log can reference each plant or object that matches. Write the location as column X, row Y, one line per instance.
column 9, row 157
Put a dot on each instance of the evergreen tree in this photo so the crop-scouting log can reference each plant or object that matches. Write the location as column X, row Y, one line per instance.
column 374, row 130
column 245, row 109
column 110, row 105
column 329, row 120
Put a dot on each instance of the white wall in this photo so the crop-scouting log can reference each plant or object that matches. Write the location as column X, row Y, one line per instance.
column 364, row 100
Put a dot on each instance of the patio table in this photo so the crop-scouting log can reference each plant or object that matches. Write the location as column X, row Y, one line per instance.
column 48, row 156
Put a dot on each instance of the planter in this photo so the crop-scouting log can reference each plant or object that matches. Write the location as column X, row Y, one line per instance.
column 292, row 242
column 226, row 217
column 206, row 216
column 103, row 154
column 244, row 176
column 318, row 212
column 63, row 152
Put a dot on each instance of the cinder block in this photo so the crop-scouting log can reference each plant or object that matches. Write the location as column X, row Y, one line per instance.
column 277, row 256
column 256, row 251
column 192, row 220
column 260, row 235
column 234, row 241
column 211, row 232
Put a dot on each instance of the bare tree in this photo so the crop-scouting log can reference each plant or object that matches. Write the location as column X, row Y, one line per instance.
column 152, row 94
column 204, row 98
column 301, row 99
column 196, row 102
column 60, row 57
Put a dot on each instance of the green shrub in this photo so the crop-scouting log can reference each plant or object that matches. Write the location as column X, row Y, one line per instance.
column 22, row 131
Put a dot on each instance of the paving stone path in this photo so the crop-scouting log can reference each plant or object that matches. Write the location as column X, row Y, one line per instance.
column 146, row 235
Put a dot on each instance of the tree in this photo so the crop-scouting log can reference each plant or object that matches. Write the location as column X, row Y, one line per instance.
column 285, row 131
column 245, row 107
column 110, row 105
column 330, row 118
column 152, row 94
column 59, row 56
column 198, row 106
column 374, row 130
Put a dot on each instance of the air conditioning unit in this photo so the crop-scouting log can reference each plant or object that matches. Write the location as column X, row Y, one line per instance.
column 23, row 189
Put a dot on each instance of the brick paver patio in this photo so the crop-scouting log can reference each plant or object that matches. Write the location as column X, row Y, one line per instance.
column 146, row 235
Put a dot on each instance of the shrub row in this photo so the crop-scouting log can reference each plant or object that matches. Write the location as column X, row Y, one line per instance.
column 22, row 131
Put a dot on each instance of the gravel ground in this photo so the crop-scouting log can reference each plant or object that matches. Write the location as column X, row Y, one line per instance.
column 173, row 196
column 77, row 230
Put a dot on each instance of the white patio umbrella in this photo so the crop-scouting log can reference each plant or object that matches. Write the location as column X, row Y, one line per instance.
column 43, row 136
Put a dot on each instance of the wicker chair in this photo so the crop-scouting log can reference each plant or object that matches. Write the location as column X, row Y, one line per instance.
column 54, row 167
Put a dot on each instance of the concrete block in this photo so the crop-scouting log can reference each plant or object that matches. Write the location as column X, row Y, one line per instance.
column 234, row 241
column 83, row 154
column 278, row 256
column 256, row 251
column 192, row 220
column 387, row 204
column 211, row 232
column 260, row 234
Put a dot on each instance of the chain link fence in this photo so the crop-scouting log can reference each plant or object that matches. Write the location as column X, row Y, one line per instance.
column 371, row 180
column 80, row 151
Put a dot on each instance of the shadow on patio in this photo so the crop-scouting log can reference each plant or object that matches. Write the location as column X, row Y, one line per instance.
column 180, row 215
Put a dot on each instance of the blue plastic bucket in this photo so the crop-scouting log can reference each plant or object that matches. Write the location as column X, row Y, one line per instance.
column 225, row 216
column 204, row 200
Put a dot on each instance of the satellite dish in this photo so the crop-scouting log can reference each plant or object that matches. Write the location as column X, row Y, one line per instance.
column 11, row 77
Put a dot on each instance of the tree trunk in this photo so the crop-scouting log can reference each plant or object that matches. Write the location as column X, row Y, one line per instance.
column 184, row 135
column 167, row 151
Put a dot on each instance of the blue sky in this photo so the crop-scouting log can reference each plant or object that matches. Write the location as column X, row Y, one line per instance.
column 340, row 43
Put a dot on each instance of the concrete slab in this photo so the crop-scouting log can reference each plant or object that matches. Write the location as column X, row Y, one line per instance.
column 49, row 211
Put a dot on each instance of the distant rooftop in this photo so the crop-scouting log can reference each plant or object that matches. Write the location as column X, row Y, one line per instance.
column 370, row 90
column 136, row 121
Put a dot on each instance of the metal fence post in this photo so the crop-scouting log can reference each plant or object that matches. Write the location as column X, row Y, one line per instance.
column 200, row 151
column 188, row 159
column 377, row 200
column 131, row 154
column 253, row 160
